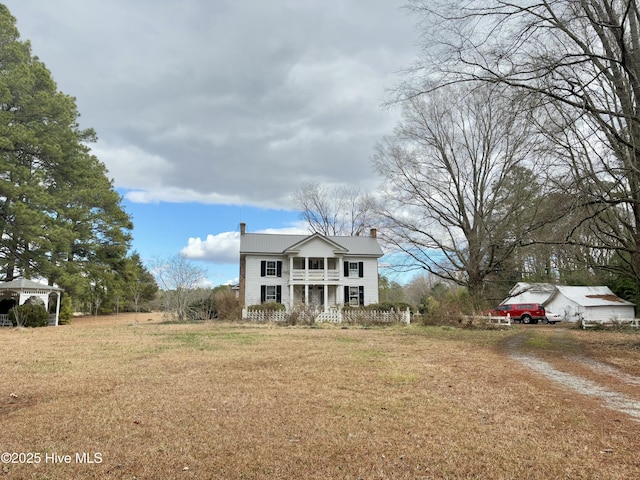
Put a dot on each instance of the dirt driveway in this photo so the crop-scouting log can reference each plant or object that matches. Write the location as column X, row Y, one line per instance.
column 554, row 353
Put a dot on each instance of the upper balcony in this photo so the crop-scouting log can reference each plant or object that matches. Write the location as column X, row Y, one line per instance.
column 300, row 275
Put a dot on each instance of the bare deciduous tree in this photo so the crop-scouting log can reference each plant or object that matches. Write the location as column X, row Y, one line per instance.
column 338, row 210
column 579, row 64
column 180, row 279
column 457, row 199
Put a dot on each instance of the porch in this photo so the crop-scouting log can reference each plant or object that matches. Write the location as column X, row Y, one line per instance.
column 322, row 297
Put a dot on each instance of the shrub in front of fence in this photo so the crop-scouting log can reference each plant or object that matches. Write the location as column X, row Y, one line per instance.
column 228, row 306
column 302, row 315
column 367, row 317
column 384, row 307
column 265, row 312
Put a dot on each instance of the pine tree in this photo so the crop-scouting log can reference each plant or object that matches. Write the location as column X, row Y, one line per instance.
column 61, row 218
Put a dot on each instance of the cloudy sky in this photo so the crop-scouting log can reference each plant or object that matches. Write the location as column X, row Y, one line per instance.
column 211, row 112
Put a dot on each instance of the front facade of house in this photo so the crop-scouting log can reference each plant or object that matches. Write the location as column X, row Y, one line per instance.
column 323, row 272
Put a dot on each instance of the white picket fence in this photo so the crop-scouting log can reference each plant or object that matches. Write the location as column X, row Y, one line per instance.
column 499, row 319
column 632, row 322
column 348, row 316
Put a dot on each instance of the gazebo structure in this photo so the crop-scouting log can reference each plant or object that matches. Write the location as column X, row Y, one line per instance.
column 22, row 290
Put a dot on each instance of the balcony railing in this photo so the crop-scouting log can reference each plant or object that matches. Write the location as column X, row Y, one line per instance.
column 299, row 275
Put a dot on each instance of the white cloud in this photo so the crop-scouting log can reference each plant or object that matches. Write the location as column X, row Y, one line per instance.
column 221, row 248
column 297, row 228
column 224, row 248
column 178, row 195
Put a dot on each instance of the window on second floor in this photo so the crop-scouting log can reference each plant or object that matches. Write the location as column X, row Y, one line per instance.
column 270, row 268
column 353, row 269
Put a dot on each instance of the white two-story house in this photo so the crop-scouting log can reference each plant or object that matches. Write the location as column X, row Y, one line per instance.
column 308, row 270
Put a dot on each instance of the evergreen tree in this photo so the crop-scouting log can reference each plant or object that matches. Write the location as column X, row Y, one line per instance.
column 61, row 218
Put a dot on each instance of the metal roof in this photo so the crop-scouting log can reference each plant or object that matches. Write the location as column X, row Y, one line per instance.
column 524, row 292
column 275, row 244
column 24, row 284
column 590, row 296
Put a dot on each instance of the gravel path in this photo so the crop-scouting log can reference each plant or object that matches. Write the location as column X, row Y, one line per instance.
column 613, row 400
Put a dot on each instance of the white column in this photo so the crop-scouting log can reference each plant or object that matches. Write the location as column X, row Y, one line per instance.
column 291, row 292
column 58, row 308
column 291, row 299
column 326, row 297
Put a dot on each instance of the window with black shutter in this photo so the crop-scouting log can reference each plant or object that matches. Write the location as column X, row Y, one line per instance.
column 354, row 269
column 270, row 293
column 270, row 268
column 354, row 296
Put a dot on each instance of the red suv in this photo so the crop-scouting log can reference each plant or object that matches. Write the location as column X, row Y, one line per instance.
column 522, row 312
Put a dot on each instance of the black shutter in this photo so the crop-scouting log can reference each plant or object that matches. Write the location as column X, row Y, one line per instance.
column 279, row 293
column 263, row 293
column 346, row 269
column 346, row 295
column 361, row 294
column 263, row 268
column 279, row 268
column 361, row 269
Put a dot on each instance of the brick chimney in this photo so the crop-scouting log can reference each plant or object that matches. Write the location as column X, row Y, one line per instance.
column 374, row 233
column 243, row 228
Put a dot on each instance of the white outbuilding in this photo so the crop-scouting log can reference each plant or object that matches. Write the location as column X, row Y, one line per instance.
column 597, row 304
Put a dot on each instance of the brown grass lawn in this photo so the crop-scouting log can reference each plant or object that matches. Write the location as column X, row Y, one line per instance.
column 221, row 401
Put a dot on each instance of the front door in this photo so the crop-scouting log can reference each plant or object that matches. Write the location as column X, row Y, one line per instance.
column 316, row 294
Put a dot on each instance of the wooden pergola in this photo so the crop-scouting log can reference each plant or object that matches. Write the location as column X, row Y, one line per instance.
column 21, row 290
